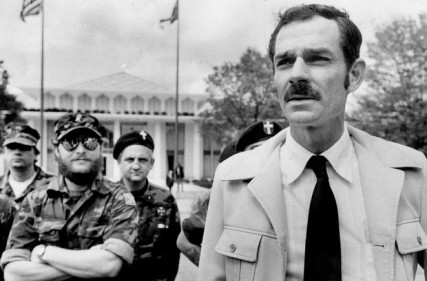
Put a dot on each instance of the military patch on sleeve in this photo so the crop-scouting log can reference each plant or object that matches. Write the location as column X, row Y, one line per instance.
column 129, row 200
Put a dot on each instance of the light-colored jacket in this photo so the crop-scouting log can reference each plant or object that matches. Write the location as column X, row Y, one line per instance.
column 245, row 235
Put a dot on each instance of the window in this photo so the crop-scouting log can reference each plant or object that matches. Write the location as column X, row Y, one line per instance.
column 188, row 105
column 102, row 103
column 137, row 104
column 119, row 104
column 170, row 106
column 154, row 105
column 84, row 103
column 66, row 101
column 49, row 100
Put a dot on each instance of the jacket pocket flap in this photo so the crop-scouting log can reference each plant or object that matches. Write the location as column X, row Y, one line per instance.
column 50, row 226
column 239, row 244
column 410, row 237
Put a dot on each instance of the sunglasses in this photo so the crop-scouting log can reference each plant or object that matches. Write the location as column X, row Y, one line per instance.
column 89, row 143
column 21, row 147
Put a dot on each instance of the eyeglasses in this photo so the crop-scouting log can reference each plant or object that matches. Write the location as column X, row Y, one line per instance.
column 89, row 143
column 21, row 147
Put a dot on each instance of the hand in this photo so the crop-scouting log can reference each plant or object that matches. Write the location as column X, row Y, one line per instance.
column 37, row 252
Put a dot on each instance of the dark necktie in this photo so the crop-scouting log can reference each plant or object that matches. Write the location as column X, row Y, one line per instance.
column 322, row 245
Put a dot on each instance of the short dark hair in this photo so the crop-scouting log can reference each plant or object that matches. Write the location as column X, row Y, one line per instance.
column 351, row 38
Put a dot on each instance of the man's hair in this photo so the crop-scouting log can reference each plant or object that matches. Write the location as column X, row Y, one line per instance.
column 350, row 35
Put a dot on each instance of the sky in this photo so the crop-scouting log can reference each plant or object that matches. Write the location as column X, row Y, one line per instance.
column 87, row 39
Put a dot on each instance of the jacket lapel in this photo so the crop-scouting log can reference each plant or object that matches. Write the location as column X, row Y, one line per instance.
column 267, row 189
column 381, row 188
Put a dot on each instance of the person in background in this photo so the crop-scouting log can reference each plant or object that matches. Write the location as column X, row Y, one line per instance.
column 190, row 239
column 156, row 254
column 321, row 200
column 179, row 177
column 20, row 147
column 7, row 213
column 23, row 176
column 78, row 226
column 170, row 179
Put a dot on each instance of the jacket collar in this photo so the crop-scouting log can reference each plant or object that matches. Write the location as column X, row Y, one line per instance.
column 246, row 165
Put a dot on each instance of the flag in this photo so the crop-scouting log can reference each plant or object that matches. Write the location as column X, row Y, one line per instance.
column 174, row 15
column 30, row 8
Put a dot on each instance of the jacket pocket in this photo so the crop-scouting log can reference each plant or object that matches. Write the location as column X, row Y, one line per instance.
column 240, row 248
column 410, row 239
column 50, row 231
column 91, row 234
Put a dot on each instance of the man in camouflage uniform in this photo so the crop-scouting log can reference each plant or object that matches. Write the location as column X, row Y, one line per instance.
column 7, row 212
column 20, row 147
column 80, row 225
column 21, row 152
column 156, row 254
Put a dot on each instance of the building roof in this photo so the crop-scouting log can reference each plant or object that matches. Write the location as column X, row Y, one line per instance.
column 120, row 82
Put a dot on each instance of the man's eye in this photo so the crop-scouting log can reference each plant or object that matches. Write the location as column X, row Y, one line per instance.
column 318, row 59
column 284, row 62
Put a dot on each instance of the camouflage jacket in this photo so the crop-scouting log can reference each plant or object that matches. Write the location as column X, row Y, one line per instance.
column 105, row 214
column 42, row 178
column 156, row 253
column 7, row 213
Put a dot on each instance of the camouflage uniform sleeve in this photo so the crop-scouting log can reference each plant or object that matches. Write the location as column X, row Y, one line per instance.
column 171, row 258
column 120, row 234
column 7, row 213
column 23, row 235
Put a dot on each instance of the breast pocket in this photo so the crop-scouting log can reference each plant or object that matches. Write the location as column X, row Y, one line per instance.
column 91, row 234
column 241, row 251
column 50, row 232
column 410, row 239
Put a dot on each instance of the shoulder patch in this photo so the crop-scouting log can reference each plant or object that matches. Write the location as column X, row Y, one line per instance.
column 129, row 199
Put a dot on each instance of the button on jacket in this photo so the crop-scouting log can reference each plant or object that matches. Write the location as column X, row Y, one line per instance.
column 246, row 229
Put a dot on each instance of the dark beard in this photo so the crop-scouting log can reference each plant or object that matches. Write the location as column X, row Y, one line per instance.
column 301, row 89
column 79, row 178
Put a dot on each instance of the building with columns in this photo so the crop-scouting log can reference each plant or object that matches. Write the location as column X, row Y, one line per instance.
column 123, row 103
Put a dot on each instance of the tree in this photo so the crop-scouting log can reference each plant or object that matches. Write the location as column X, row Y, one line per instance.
column 395, row 107
column 240, row 94
column 10, row 108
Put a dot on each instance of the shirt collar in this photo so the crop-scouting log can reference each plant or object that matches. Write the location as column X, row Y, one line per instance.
column 339, row 156
column 58, row 185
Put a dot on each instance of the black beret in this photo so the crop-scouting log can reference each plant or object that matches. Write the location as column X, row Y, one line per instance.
column 228, row 151
column 256, row 132
column 141, row 137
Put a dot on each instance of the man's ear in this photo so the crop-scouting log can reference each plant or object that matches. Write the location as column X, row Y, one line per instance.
column 56, row 151
column 356, row 75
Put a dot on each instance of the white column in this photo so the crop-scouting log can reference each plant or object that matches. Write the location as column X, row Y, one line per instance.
column 157, row 131
column 198, row 152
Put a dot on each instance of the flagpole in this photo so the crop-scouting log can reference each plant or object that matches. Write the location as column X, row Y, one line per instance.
column 177, row 88
column 42, row 88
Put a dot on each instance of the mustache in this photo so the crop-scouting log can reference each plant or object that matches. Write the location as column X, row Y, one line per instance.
column 300, row 89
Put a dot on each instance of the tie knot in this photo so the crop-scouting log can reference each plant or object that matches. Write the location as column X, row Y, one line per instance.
column 318, row 165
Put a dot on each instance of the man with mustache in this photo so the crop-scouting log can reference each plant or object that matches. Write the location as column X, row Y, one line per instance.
column 156, row 253
column 80, row 225
column 321, row 200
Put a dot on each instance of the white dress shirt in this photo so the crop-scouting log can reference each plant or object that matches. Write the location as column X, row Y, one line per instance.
column 344, row 179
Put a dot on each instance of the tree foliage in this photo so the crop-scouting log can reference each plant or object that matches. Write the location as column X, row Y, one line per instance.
column 10, row 108
column 240, row 94
column 396, row 107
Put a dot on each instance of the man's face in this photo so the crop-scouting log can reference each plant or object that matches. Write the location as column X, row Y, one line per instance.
column 310, row 71
column 135, row 162
column 82, row 160
column 19, row 156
